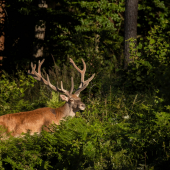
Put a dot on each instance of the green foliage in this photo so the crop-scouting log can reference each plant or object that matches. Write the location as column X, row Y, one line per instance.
column 84, row 147
column 149, row 68
column 79, row 29
column 15, row 92
column 119, row 129
column 54, row 101
column 150, row 61
column 149, row 15
column 130, row 135
column 12, row 92
column 150, row 132
column 92, row 30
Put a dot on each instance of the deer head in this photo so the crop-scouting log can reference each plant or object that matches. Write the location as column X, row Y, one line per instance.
column 73, row 101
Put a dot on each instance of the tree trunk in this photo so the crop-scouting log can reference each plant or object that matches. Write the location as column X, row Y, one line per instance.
column 2, row 31
column 40, row 28
column 131, row 14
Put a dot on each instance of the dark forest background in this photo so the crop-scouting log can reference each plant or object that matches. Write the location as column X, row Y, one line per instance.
column 126, row 43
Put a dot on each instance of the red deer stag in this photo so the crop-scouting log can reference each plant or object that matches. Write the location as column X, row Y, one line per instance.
column 35, row 120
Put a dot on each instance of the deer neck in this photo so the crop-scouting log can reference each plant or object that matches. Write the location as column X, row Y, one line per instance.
column 67, row 110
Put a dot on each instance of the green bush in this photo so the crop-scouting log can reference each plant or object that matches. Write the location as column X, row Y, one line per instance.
column 14, row 92
column 149, row 68
column 54, row 102
column 126, row 132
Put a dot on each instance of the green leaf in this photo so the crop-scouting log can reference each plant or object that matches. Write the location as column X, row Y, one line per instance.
column 138, row 54
column 152, row 41
column 138, row 73
column 138, row 78
column 140, row 46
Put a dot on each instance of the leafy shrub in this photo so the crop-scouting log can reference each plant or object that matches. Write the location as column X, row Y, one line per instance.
column 75, row 144
column 149, row 69
column 132, row 132
column 54, row 101
column 13, row 93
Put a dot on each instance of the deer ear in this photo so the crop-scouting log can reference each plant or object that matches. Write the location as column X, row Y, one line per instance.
column 63, row 97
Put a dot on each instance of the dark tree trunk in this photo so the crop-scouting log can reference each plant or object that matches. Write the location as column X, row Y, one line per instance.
column 131, row 14
column 2, row 31
column 40, row 29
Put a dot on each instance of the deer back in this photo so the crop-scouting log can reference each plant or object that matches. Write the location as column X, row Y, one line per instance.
column 30, row 120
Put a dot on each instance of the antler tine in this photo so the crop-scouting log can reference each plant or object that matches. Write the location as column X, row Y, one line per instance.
column 50, row 85
column 86, row 83
column 82, row 72
column 56, row 88
column 39, row 77
column 32, row 72
column 62, row 89
column 65, row 91
column 83, row 83
column 39, row 65
column 29, row 72
column 72, row 86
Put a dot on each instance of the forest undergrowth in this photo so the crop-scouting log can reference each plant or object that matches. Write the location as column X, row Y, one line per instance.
column 116, row 131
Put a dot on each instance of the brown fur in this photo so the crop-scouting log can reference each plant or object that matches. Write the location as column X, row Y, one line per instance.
column 31, row 120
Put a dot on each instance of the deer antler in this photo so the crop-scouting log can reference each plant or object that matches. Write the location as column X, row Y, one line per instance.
column 39, row 77
column 83, row 83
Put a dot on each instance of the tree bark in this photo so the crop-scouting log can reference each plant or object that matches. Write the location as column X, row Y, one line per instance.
column 40, row 28
column 2, row 31
column 131, row 14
